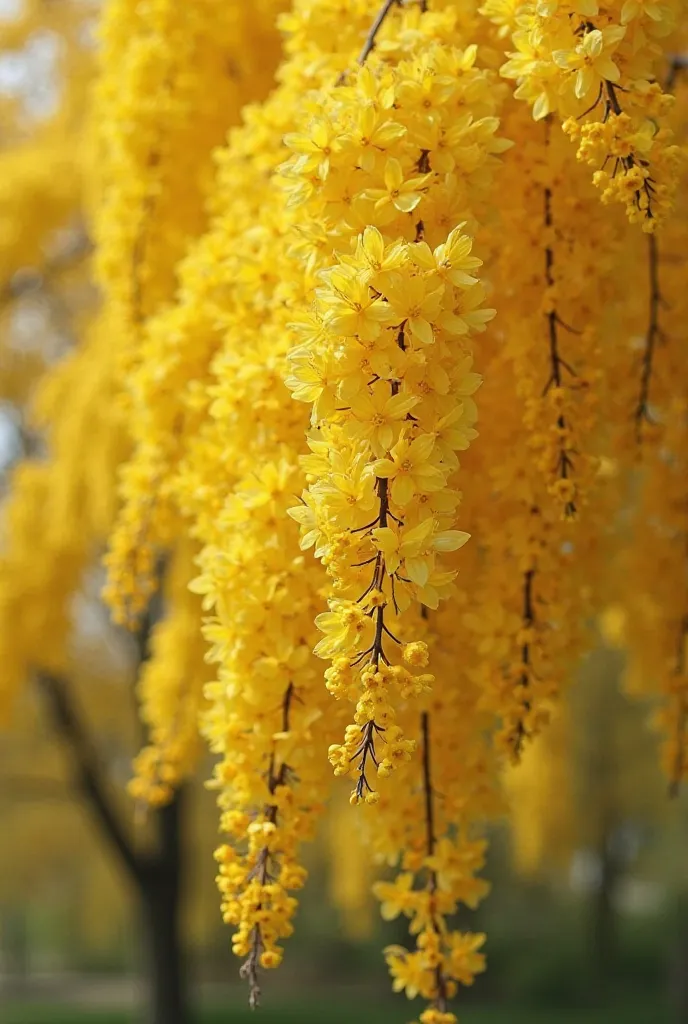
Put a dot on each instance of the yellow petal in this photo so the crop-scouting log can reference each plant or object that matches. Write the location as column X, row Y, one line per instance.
column 421, row 329
column 403, row 488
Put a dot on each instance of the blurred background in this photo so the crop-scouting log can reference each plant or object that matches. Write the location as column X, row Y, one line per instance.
column 587, row 919
column 588, row 915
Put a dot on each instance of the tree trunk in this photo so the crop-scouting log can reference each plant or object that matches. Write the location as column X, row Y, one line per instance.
column 603, row 921
column 167, row 988
column 161, row 897
column 157, row 876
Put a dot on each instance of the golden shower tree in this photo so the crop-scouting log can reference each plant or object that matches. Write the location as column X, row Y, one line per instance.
column 401, row 379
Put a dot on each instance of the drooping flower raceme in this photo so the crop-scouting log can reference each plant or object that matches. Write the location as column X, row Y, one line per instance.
column 596, row 68
column 384, row 357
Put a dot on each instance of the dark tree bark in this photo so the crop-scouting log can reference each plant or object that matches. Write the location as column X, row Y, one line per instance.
column 160, row 888
column 603, row 939
column 156, row 877
column 88, row 775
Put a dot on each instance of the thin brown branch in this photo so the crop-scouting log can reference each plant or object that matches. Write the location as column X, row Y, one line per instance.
column 369, row 44
column 652, row 336
column 440, row 1000
column 88, row 774
column 138, row 250
column 677, row 64
column 613, row 106
column 376, row 651
column 564, row 462
column 30, row 280
column 250, row 967
column 527, row 620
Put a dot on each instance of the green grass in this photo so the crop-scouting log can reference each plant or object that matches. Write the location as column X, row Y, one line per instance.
column 318, row 1010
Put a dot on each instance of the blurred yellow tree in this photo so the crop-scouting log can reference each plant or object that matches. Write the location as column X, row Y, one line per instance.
column 71, row 685
column 587, row 791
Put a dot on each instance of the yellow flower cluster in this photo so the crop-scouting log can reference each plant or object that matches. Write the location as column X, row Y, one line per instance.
column 67, row 501
column 170, row 686
column 426, row 822
column 38, row 193
column 175, row 76
column 263, row 708
column 595, row 66
column 309, row 313
column 384, row 358
column 540, row 507
column 233, row 474
column 262, row 597
column 656, row 561
column 346, row 261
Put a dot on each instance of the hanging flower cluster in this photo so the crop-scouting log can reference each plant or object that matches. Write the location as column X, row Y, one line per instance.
column 174, row 79
column 357, row 260
column 384, row 358
column 170, row 687
column 542, row 505
column 595, row 67
column 385, row 380
column 656, row 559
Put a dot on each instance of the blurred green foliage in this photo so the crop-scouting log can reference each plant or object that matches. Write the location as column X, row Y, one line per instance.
column 316, row 1009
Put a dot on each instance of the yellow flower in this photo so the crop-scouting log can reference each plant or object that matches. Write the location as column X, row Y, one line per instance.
column 270, row 958
column 371, row 133
column 397, row 897
column 316, row 147
column 342, row 626
column 416, row 654
column 416, row 548
column 409, row 469
column 434, row 1016
column 633, row 9
column 409, row 971
column 464, row 960
column 437, row 588
column 349, row 307
column 415, row 302
column 592, row 59
column 371, row 250
column 450, row 261
column 377, row 413
column 404, row 195
column 467, row 315
column 313, row 381
column 538, row 78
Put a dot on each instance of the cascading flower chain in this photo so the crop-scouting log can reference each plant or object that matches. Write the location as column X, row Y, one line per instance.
column 380, row 510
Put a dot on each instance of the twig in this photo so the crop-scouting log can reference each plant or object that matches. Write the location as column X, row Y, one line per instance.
column 89, row 777
column 369, row 44
column 653, row 334
column 431, row 841
column 261, row 871
column 528, row 620
column 565, row 462
column 678, row 63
